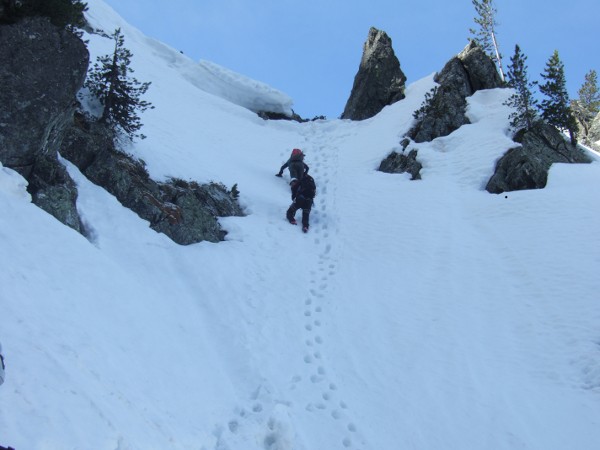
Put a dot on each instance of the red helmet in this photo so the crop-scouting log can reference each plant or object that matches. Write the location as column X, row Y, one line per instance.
column 296, row 152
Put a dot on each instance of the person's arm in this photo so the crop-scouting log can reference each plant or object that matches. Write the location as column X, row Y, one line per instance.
column 282, row 169
column 305, row 168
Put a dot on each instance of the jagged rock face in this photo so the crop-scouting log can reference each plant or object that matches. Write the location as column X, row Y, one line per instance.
column 526, row 167
column 379, row 81
column 481, row 70
column 41, row 69
column 186, row 212
column 594, row 133
column 466, row 73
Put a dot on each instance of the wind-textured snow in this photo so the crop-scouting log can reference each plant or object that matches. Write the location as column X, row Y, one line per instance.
column 414, row 314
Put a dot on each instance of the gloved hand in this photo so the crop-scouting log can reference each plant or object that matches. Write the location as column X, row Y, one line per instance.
column 279, row 175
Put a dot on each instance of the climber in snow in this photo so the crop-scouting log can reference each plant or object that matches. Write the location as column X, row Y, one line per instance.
column 303, row 194
column 295, row 164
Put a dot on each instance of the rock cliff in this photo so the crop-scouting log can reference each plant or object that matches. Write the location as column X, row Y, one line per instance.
column 41, row 69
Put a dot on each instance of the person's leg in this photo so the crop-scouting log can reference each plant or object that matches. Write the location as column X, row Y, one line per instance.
column 305, row 217
column 291, row 213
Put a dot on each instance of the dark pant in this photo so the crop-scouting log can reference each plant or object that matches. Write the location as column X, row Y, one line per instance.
column 305, row 204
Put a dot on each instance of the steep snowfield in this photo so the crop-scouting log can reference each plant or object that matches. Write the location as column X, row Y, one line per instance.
column 414, row 315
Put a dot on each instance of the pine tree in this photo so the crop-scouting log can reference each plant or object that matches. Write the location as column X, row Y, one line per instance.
column 120, row 95
column 555, row 107
column 428, row 107
column 587, row 106
column 522, row 100
column 485, row 36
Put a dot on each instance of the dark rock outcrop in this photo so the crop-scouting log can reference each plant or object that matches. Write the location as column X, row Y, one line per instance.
column 41, row 69
column 466, row 73
column 266, row 115
column 185, row 211
column 379, row 81
column 402, row 163
column 526, row 167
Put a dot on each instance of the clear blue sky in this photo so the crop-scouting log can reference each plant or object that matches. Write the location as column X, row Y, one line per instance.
column 311, row 49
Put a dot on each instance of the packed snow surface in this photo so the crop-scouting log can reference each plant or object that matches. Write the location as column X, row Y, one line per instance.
column 413, row 315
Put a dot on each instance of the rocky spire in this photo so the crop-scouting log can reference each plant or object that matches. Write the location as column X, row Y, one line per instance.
column 379, row 81
column 466, row 73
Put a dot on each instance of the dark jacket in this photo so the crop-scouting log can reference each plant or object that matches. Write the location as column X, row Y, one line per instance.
column 304, row 190
column 297, row 168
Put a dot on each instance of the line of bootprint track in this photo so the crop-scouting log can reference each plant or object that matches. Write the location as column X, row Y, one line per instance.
column 327, row 397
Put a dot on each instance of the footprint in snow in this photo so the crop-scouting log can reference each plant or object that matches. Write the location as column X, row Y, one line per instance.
column 312, row 406
column 316, row 379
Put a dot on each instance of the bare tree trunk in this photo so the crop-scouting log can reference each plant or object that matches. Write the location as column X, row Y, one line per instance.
column 498, row 57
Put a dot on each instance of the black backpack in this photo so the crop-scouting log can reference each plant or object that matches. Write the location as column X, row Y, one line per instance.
column 307, row 188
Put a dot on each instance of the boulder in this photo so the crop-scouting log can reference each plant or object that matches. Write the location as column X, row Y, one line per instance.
column 42, row 67
column 444, row 112
column 379, row 81
column 526, row 166
column 402, row 163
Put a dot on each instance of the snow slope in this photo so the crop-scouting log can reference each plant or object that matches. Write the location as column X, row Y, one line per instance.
column 414, row 315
